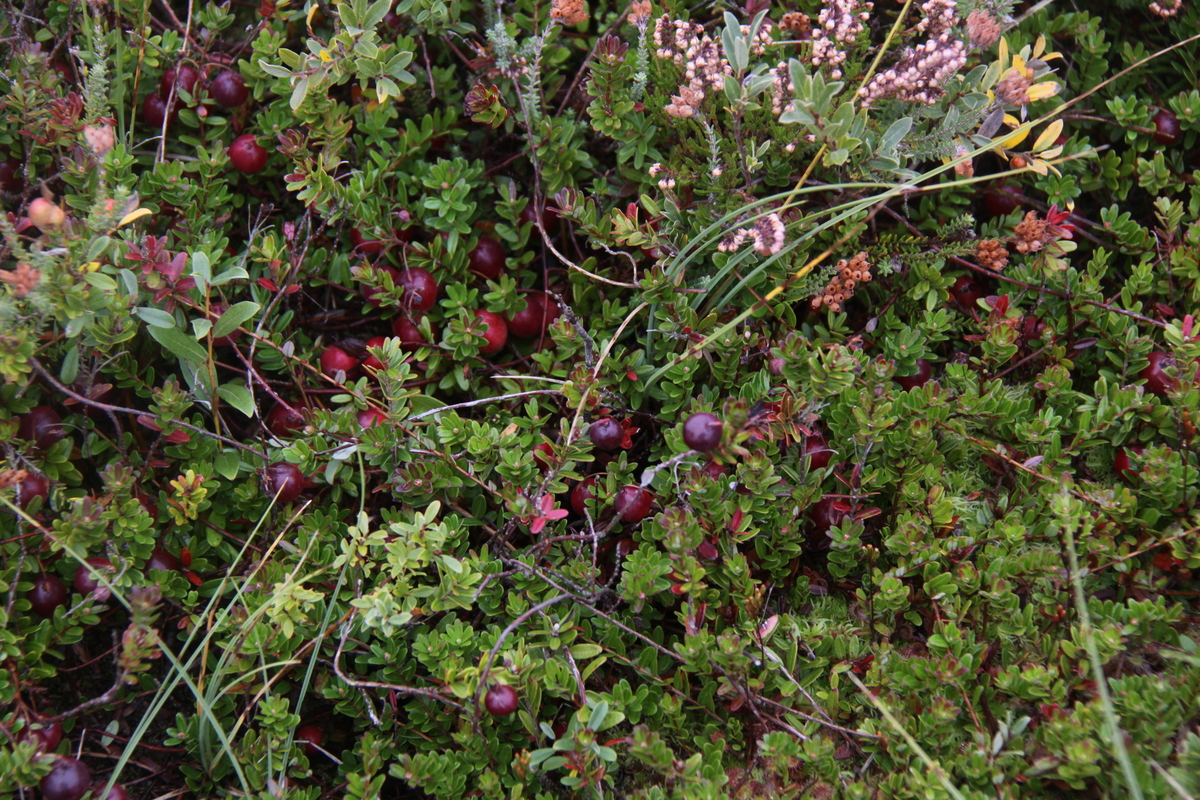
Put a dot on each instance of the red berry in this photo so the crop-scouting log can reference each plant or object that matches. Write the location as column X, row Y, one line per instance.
column 162, row 559
column 966, row 292
column 117, row 792
column 48, row 593
column 285, row 480
column 1123, row 464
column 1155, row 376
column 12, row 177
column 582, row 493
column 334, row 360
column 536, row 317
column 68, row 779
column 370, row 417
column 371, row 364
column 1166, row 127
column 420, row 289
column 500, row 700
column 182, row 78
column 825, row 515
column 816, row 450
column 45, row 736
column 284, row 420
column 632, row 503
column 1031, row 328
column 41, row 425
column 408, row 333
column 228, row 89
column 543, row 456
column 606, row 433
column 920, row 378
column 702, row 432
column 496, row 332
column 487, row 259
column 247, row 155
column 529, row 215
column 155, row 112
column 311, row 736
column 369, row 293
column 86, row 581
column 33, row 485
column 364, row 246
column 1001, row 201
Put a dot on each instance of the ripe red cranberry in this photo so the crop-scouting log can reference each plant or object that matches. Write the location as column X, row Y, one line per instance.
column 816, row 450
column 12, row 177
column 163, row 559
column 529, row 215
column 920, row 378
column 284, row 420
column 311, row 736
column 182, row 78
column 334, row 359
column 543, row 456
column 34, row 485
column 420, row 289
column 606, row 433
column 364, row 246
column 500, row 700
column 228, row 89
column 117, row 792
column 1123, row 463
column 155, row 111
column 247, row 155
column 496, row 332
column 1001, row 201
column 584, row 491
column 1155, row 376
column 966, row 292
column 408, row 333
column 370, row 417
column 825, row 515
column 1166, row 127
column 68, row 779
column 41, row 425
column 487, row 259
column 632, row 503
column 535, row 318
column 702, row 431
column 371, row 364
column 45, row 736
column 285, row 480
column 86, row 581
column 48, row 593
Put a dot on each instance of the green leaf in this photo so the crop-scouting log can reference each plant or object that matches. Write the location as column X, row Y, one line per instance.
column 99, row 280
column 227, row 464
column 201, row 327
column 201, row 270
column 238, row 397
column 299, row 92
column 582, row 651
column 179, row 344
column 231, row 274
column 155, row 317
column 235, row 316
column 70, row 365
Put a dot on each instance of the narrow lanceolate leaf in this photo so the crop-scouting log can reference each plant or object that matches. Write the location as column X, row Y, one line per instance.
column 232, row 319
column 179, row 344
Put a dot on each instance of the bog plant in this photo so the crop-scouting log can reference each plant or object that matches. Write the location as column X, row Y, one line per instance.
column 456, row 399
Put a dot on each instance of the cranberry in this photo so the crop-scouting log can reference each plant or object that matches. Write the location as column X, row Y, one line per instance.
column 371, row 364
column 69, row 779
column 228, row 89
column 12, row 178
column 500, row 700
column 825, row 515
column 86, row 581
column 408, row 333
column 543, row 456
column 606, row 433
column 247, row 155
column 48, row 593
column 34, row 485
column 364, row 246
column 1123, row 464
column 487, row 259
column 1155, row 376
column 1166, row 127
column 370, row 417
column 420, row 289
column 816, row 450
column 535, row 318
column 702, row 432
column 1001, row 201
column 529, row 215
column 496, row 332
column 311, row 736
column 632, row 503
column 1031, row 328
column 284, row 420
column 182, row 78
column 334, row 360
column 714, row 471
column 285, row 480
column 162, row 559
column 582, row 493
column 370, row 293
column 117, row 792
column 45, row 736
column 155, row 112
column 41, row 425
column 920, row 378
column 966, row 292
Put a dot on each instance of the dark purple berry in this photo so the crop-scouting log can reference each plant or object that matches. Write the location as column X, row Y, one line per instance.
column 228, row 89
column 501, row 700
column 606, row 433
column 48, row 593
column 632, row 503
column 702, row 431
column 69, row 779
